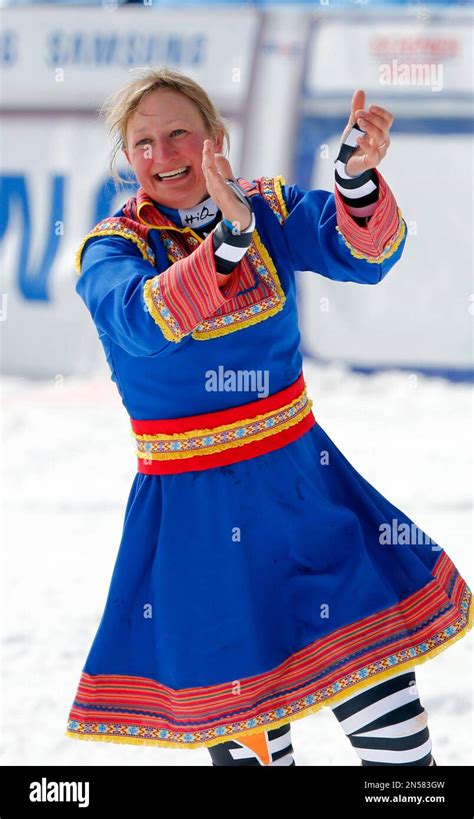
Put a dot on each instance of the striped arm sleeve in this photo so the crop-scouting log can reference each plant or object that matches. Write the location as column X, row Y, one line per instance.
column 383, row 232
column 187, row 292
column 358, row 193
column 230, row 245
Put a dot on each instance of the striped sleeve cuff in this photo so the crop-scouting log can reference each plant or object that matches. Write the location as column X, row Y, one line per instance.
column 359, row 193
column 229, row 246
column 382, row 234
column 188, row 292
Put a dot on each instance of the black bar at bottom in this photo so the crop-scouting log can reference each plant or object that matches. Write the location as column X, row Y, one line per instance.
column 89, row 790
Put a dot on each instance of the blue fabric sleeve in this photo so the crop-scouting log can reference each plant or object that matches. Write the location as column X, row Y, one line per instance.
column 111, row 286
column 315, row 244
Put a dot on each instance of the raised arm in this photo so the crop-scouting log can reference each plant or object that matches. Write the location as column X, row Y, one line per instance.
column 323, row 237
column 356, row 233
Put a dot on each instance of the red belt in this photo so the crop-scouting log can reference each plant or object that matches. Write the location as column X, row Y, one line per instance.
column 223, row 437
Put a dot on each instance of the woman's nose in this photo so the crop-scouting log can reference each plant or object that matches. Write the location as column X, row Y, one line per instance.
column 164, row 151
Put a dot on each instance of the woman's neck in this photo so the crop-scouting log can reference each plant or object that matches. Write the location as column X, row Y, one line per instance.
column 203, row 213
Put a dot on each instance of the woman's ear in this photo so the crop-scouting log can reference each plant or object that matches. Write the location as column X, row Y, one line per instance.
column 124, row 151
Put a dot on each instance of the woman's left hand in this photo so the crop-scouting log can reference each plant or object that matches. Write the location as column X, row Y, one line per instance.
column 216, row 169
column 373, row 146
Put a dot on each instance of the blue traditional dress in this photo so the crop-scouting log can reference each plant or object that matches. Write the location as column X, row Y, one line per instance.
column 259, row 577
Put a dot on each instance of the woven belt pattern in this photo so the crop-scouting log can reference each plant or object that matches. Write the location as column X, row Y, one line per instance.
column 201, row 447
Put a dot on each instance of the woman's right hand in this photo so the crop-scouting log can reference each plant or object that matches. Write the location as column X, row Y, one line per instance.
column 216, row 169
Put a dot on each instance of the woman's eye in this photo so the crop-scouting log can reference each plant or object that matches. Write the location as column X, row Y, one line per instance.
column 178, row 129
column 145, row 139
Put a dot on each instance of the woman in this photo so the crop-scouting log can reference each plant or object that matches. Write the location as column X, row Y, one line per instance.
column 254, row 583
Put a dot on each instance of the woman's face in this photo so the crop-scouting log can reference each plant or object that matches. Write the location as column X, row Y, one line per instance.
column 164, row 134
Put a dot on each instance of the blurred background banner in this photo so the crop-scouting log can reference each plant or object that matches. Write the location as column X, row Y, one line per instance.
column 283, row 77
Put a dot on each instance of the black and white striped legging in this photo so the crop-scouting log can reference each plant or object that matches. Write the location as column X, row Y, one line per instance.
column 386, row 725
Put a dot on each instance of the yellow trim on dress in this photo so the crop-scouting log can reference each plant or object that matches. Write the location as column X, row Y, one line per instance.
column 143, row 246
column 155, row 313
column 279, row 194
column 389, row 249
column 289, row 717
column 303, row 399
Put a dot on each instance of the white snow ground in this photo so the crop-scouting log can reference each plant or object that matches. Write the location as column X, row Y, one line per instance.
column 66, row 476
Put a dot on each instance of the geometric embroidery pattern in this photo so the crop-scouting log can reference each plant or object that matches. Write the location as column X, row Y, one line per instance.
column 138, row 710
column 160, row 446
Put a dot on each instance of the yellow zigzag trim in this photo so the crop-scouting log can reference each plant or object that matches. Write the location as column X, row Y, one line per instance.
column 141, row 244
column 390, row 248
column 279, row 181
column 258, row 436
column 155, row 313
column 312, row 709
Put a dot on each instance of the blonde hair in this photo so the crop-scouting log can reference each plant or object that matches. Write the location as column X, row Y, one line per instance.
column 119, row 107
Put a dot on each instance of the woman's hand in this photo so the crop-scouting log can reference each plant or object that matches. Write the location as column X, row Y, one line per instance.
column 216, row 169
column 374, row 145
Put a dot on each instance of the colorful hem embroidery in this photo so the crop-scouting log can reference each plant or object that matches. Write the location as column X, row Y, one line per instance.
column 138, row 710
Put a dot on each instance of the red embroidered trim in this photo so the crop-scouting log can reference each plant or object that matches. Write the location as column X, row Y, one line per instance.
column 228, row 456
column 188, row 290
column 229, row 445
column 381, row 227
column 140, row 710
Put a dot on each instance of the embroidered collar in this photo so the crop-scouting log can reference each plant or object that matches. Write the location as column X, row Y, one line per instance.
column 154, row 213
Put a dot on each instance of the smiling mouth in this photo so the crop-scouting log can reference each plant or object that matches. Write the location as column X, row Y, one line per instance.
column 180, row 173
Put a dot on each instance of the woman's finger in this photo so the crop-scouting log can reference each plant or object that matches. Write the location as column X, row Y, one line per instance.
column 223, row 165
column 208, row 167
column 374, row 153
column 376, row 119
column 217, row 169
column 387, row 115
column 217, row 177
column 218, row 188
column 371, row 129
column 207, row 154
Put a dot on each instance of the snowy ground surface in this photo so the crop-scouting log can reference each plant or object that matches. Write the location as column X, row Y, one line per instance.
column 410, row 437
